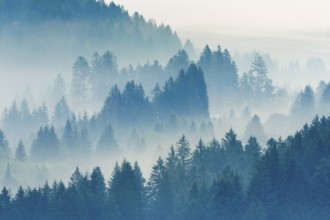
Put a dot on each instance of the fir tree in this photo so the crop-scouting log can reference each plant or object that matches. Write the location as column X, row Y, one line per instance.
column 20, row 153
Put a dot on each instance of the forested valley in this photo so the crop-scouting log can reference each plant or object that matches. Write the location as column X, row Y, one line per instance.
column 167, row 132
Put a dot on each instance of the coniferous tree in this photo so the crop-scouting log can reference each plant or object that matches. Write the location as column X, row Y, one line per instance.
column 5, row 151
column 20, row 153
column 70, row 139
column 40, row 116
column 177, row 62
column 105, row 71
column 234, row 151
column 112, row 108
column 159, row 192
column 183, row 151
column 46, row 146
column 61, row 113
column 5, row 206
column 80, row 73
column 205, row 60
column 304, row 105
column 255, row 128
column 195, row 207
column 84, row 144
column 59, row 88
column 126, row 193
column 107, row 143
column 190, row 49
column 200, row 162
column 11, row 118
column 193, row 99
column 227, row 196
column 97, row 191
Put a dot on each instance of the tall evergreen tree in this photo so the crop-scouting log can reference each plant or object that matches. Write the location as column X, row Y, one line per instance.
column 5, row 206
column 159, row 192
column 125, row 191
column 255, row 128
column 80, row 74
column 107, row 143
column 5, row 151
column 177, row 62
column 46, row 146
column 304, row 105
column 97, row 194
column 20, row 153
column 61, row 113
column 59, row 88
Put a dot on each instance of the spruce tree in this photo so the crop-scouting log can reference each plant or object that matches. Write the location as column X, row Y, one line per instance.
column 20, row 153
column 107, row 143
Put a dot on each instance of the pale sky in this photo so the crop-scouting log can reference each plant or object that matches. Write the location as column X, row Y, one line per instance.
column 282, row 14
column 288, row 29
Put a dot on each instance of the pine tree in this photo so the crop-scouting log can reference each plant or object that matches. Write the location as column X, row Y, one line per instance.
column 46, row 146
column 85, row 144
column 205, row 60
column 20, row 153
column 177, row 62
column 183, row 151
column 105, row 70
column 126, row 193
column 252, row 149
column 80, row 73
column 189, row 47
column 5, row 151
column 61, row 114
column 304, row 105
column 255, row 128
column 159, row 192
column 194, row 207
column 107, row 142
column 5, row 205
column 59, row 89
column 70, row 139
column 199, row 162
column 263, row 85
column 227, row 196
column 97, row 194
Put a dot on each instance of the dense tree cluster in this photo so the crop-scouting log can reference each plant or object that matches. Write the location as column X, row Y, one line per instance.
column 220, row 75
column 91, row 23
column 15, row 117
column 304, row 104
column 128, row 108
column 131, row 107
column 64, row 136
column 221, row 180
column 185, row 96
column 46, row 146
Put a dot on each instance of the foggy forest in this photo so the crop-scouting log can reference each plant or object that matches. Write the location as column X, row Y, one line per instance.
column 106, row 114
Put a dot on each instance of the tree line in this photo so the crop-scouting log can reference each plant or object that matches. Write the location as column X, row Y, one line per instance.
column 219, row 180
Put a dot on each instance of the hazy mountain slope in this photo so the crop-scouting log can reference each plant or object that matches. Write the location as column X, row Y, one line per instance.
column 48, row 35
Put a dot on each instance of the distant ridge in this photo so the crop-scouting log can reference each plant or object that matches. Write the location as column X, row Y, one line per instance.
column 63, row 29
